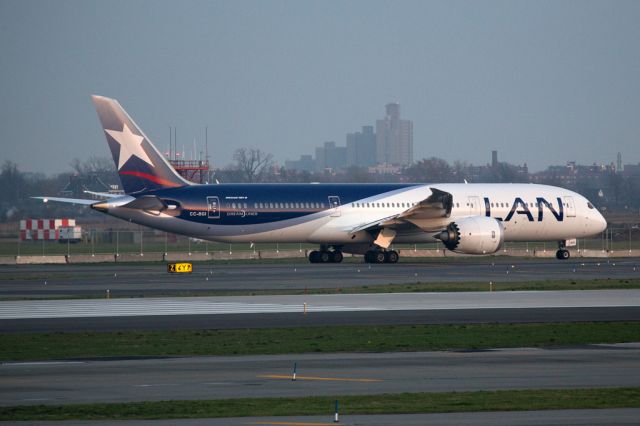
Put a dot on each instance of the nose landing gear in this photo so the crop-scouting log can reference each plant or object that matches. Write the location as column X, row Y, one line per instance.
column 562, row 253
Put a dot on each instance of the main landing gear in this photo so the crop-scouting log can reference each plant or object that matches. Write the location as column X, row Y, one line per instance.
column 379, row 256
column 562, row 253
column 325, row 256
column 328, row 254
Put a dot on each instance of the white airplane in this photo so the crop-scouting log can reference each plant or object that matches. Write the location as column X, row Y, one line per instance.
column 341, row 218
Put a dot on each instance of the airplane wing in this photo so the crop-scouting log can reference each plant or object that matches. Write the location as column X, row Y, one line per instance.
column 429, row 214
column 375, row 224
column 437, row 205
column 81, row 201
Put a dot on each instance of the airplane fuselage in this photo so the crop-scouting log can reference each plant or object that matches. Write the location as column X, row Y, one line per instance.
column 329, row 213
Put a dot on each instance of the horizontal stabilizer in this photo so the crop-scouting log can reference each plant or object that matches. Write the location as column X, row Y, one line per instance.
column 81, row 201
column 103, row 195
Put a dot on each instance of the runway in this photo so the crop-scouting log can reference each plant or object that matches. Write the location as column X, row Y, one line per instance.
column 318, row 374
column 82, row 308
column 37, row 315
column 134, row 280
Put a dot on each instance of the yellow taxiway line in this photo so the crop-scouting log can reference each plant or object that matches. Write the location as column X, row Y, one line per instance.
column 326, row 379
column 292, row 424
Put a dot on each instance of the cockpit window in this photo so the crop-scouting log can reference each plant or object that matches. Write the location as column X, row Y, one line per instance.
column 590, row 205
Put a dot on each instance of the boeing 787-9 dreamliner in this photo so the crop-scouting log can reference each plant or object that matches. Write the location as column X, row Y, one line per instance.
column 340, row 218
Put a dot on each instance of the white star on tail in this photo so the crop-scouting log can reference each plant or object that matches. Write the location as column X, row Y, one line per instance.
column 130, row 144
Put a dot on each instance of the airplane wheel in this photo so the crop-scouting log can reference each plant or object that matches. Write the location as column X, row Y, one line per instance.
column 314, row 256
column 563, row 254
column 325, row 257
column 336, row 257
column 379, row 257
column 391, row 256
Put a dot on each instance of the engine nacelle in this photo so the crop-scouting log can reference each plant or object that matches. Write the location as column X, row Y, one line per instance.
column 473, row 235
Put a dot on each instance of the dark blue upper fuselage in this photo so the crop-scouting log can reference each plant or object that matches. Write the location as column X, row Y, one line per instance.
column 241, row 204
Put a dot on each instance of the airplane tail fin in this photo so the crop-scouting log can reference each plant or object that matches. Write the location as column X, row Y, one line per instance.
column 141, row 166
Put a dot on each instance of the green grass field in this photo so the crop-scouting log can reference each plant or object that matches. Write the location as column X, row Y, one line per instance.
column 440, row 402
column 43, row 346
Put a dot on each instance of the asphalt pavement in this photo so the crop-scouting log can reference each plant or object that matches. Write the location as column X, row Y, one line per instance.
column 154, row 379
column 134, row 280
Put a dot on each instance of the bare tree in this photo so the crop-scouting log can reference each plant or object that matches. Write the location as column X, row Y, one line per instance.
column 252, row 163
column 94, row 165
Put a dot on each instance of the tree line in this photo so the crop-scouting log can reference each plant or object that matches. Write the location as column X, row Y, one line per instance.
column 612, row 191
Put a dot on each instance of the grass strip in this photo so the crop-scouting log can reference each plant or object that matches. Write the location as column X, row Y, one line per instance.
column 416, row 287
column 404, row 403
column 388, row 338
column 537, row 285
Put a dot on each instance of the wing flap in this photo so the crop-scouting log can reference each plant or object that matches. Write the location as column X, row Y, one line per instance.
column 375, row 224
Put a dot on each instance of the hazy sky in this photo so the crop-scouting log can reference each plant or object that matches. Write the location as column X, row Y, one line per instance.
column 542, row 82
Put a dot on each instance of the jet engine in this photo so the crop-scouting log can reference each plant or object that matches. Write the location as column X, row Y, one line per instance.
column 473, row 235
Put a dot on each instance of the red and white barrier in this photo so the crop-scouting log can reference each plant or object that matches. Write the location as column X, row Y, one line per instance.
column 43, row 229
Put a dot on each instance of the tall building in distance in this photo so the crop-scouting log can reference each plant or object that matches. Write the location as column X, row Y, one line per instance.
column 330, row 156
column 361, row 148
column 394, row 138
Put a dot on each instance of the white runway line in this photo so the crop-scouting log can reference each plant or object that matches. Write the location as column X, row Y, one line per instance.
column 315, row 303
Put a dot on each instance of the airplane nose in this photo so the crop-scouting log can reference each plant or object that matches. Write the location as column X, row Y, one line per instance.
column 601, row 222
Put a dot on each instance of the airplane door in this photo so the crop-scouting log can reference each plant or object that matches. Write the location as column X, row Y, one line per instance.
column 213, row 207
column 475, row 208
column 334, row 204
column 570, row 206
